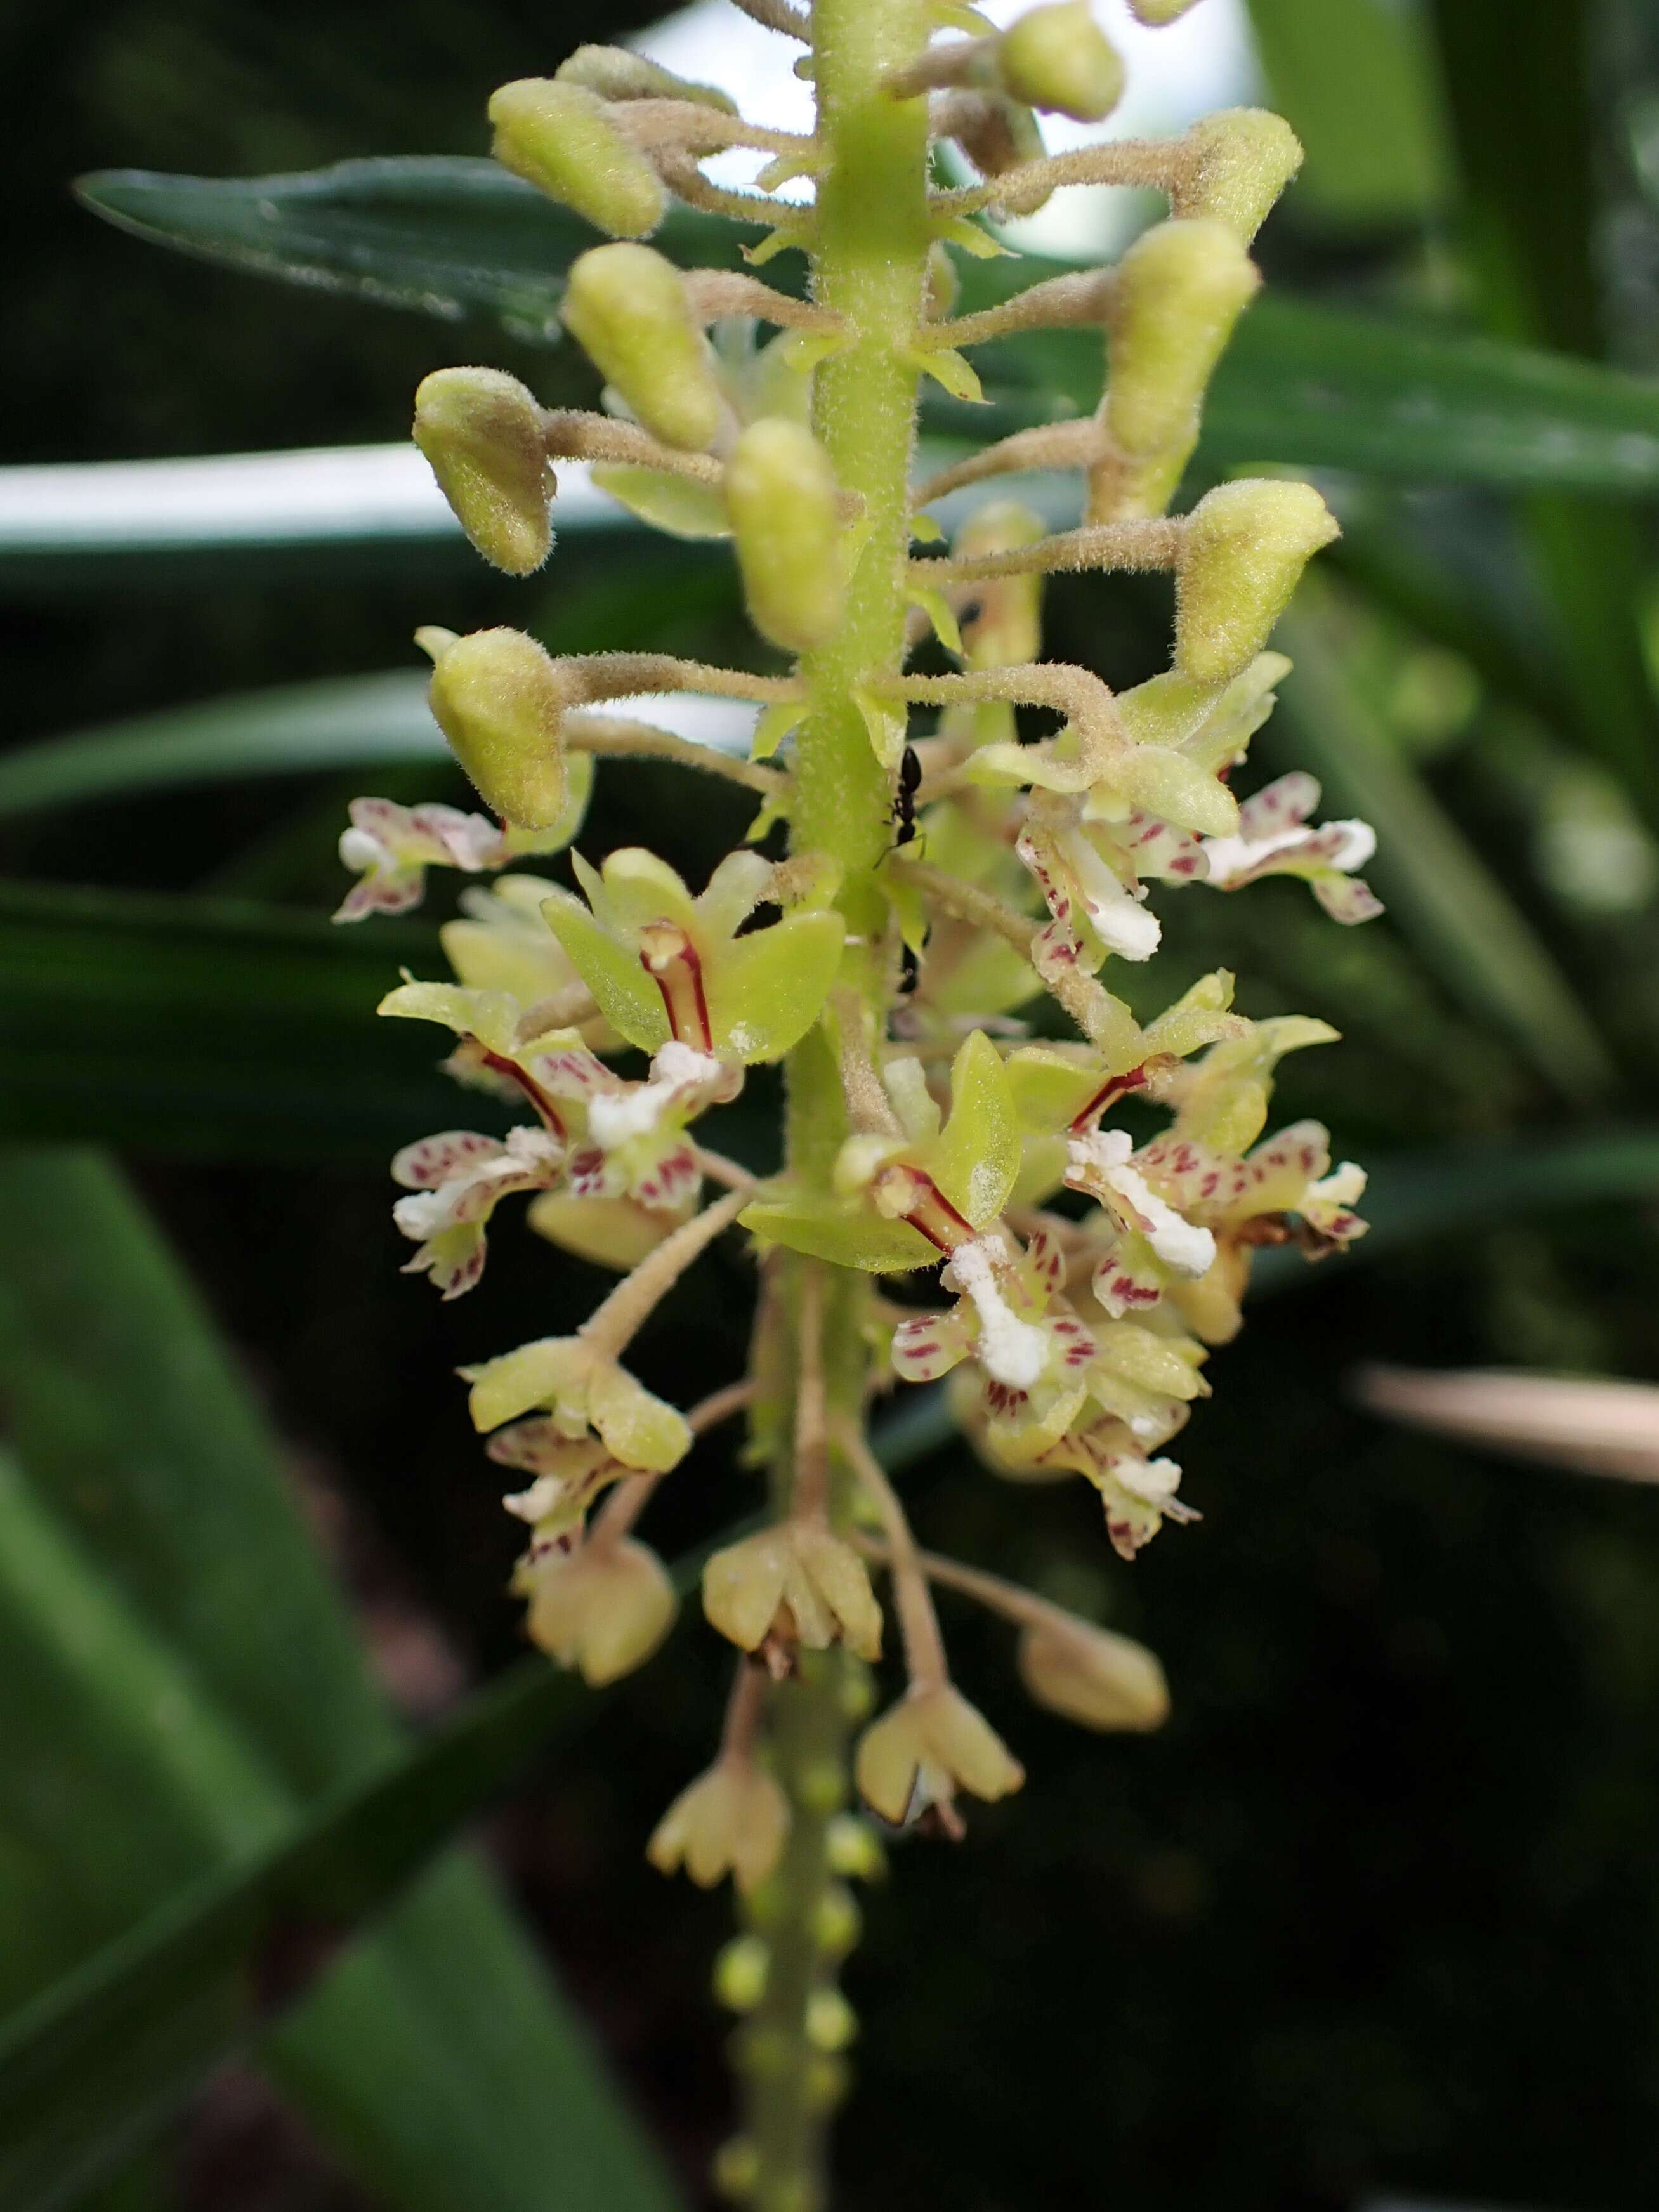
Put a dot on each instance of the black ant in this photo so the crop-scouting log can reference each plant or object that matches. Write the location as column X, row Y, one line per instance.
column 904, row 814
column 904, row 799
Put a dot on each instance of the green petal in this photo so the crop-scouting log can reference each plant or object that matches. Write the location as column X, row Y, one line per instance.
column 733, row 891
column 1050, row 1090
column 976, row 1161
column 1175, row 789
column 841, row 1231
column 490, row 1015
column 635, row 887
column 624, row 994
column 535, row 1375
column 765, row 990
column 642, row 1430
column 669, row 504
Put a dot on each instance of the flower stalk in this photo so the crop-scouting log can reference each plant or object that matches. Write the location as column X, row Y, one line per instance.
column 908, row 886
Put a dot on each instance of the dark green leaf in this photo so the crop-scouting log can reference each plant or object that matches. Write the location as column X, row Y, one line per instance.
column 196, row 1683
column 1442, row 894
column 1301, row 385
column 360, row 721
column 1357, row 84
column 211, row 1027
column 1518, row 87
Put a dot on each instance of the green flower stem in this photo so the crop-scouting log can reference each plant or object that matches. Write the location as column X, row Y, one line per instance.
column 869, row 265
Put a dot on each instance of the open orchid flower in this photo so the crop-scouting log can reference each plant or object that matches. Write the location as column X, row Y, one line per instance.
column 1273, row 838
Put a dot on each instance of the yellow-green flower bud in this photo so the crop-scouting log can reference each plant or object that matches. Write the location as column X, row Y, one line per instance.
column 1055, row 57
column 560, row 139
column 836, row 1923
column 831, row 2022
column 629, row 308
column 1238, row 162
column 853, row 1847
column 1243, row 551
column 740, row 1969
column 614, row 73
column 1176, row 296
column 499, row 699
column 1092, row 1676
column 735, row 2170
column 1154, row 12
column 780, row 493
column 481, row 432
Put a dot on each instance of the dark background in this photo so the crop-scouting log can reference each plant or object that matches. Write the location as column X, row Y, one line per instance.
column 1378, row 1910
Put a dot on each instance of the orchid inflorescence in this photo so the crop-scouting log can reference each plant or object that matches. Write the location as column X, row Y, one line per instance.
column 932, row 885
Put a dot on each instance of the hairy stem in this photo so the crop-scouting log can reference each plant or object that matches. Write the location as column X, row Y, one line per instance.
column 871, row 237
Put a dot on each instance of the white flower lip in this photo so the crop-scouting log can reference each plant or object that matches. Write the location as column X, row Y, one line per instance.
column 1012, row 1350
column 1179, row 1244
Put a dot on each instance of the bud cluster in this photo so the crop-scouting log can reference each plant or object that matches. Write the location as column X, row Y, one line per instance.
column 958, row 1199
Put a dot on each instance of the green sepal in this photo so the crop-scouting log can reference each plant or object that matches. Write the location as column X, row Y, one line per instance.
column 842, row 1231
column 778, row 240
column 622, row 990
column 1176, row 790
column 976, row 1160
column 956, row 230
column 765, row 989
column 951, row 369
column 886, row 725
column 672, row 504
column 942, row 615
column 774, row 725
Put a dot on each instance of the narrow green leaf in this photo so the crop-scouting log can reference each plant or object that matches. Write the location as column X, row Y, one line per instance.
column 359, row 721
column 1518, row 82
column 1303, row 384
column 207, row 1703
column 1357, row 84
column 210, row 1027
column 1442, row 894
column 195, row 1962
column 445, row 236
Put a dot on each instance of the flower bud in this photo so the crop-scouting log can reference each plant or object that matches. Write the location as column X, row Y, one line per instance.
column 481, row 432
column 629, row 308
column 741, row 1971
column 1238, row 162
column 615, row 73
column 997, row 135
column 831, row 2023
column 560, row 139
column 604, row 1608
column 499, row 699
column 1057, row 58
column 853, row 1849
column 1243, row 551
column 1177, row 293
column 1089, row 1675
column 780, row 494
column 731, row 1820
column 1154, row 12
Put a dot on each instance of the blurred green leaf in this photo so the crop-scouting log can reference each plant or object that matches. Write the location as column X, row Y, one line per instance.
column 200, row 1955
column 208, row 1026
column 1441, row 892
column 1518, row 86
column 358, row 721
column 1357, row 84
column 1301, row 384
column 223, row 1700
